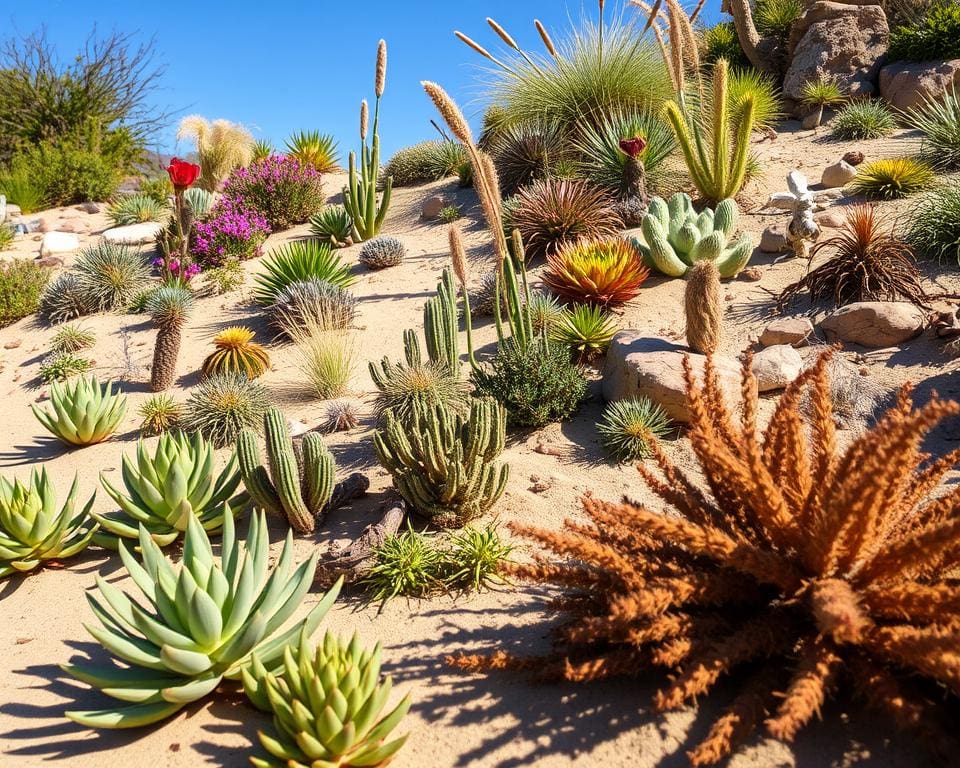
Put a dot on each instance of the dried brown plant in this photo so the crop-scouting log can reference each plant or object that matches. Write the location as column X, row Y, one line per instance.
column 805, row 570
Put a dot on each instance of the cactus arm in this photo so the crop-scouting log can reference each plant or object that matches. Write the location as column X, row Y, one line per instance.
column 255, row 477
column 284, row 470
column 384, row 202
column 742, row 152
column 682, row 133
column 735, row 258
column 319, row 472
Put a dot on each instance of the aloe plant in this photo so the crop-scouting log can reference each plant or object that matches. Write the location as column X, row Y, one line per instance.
column 82, row 411
column 195, row 623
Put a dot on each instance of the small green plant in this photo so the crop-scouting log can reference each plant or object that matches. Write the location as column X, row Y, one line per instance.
column 298, row 261
column 325, row 358
column 199, row 201
column 159, row 189
column 160, row 413
column 72, row 338
column 169, row 307
column 315, row 149
column 228, row 277
column 262, row 149
column 315, row 303
column 889, row 179
column 775, row 18
column 866, row 119
column 450, row 214
column 382, row 252
column 137, row 209
column 721, row 42
column 222, row 405
column 935, row 36
column 7, row 237
column 22, row 284
column 767, row 101
column 939, row 122
column 63, row 299
column 334, row 225
column 934, row 224
column 546, row 313
column 82, row 411
column 111, row 275
column 21, row 187
column 628, row 427
column 60, row 366
column 586, row 329
column 819, row 94
column 408, row 563
column 476, row 557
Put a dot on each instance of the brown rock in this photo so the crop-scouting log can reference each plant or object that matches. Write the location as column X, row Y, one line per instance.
column 49, row 261
column 875, row 324
column 853, row 158
column 908, row 84
column 78, row 226
column 751, row 274
column 795, row 331
column 432, row 206
column 830, row 219
column 774, row 239
column 839, row 174
column 13, row 344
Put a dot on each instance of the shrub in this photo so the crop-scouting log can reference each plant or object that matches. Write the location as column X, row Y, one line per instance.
column 281, row 189
column 136, row 209
column 160, row 413
column 936, row 36
column 64, row 299
column 21, row 187
column 60, row 366
column 934, row 225
column 158, row 189
column 628, row 428
column 334, row 225
column 222, row 147
column 537, row 384
column 326, row 359
column 607, row 273
column 425, row 162
column 939, row 122
column 22, row 284
column 110, row 275
column 318, row 150
column 69, row 172
column 224, row 404
column 767, row 102
column 298, row 261
column 527, row 152
column 262, row 148
column 889, row 179
column 6, row 236
column 865, row 119
column 721, row 42
column 822, row 92
column 774, row 18
column 586, row 329
column 237, row 352
column 313, row 302
column 72, row 338
column 450, row 214
column 229, row 233
column 551, row 213
column 82, row 412
column 228, row 277
column 382, row 252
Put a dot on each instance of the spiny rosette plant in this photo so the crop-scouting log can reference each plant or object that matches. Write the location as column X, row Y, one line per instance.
column 34, row 530
column 159, row 413
column 283, row 190
column 237, row 352
column 229, row 232
column 110, row 275
column 606, row 273
column 195, row 622
column 63, row 299
column 136, row 209
column 586, row 329
column 382, row 252
column 628, row 428
column 72, row 338
column 82, row 411
column 328, row 706
column 315, row 149
column 892, row 178
column 334, row 225
column 298, row 261
column 313, row 303
column 224, row 404
column 820, row 569
column 165, row 490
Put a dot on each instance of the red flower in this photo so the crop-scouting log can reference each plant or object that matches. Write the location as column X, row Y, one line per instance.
column 182, row 173
column 634, row 146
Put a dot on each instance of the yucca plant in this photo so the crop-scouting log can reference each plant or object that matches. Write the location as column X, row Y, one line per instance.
column 328, row 706
column 628, row 428
column 110, row 275
column 237, row 352
column 298, row 261
column 892, row 178
column 938, row 119
column 334, row 225
column 313, row 302
column 169, row 307
column 864, row 119
column 316, row 149
column 586, row 329
column 64, row 299
column 222, row 405
column 136, row 209
column 934, row 224
column 476, row 558
column 527, row 152
column 221, row 147
column 820, row 93
column 60, row 366
column 82, row 411
column 34, row 530
column 607, row 273
column 160, row 413
column 262, row 149
column 72, row 338
column 194, row 623
column 546, row 313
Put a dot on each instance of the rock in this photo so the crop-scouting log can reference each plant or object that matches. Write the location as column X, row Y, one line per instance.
column 776, row 366
column 830, row 219
column 43, row 225
column 58, row 242
column 91, row 207
column 839, row 174
column 774, row 239
column 853, row 158
column 794, row 331
column 653, row 367
column 432, row 206
column 13, row 212
column 79, row 226
column 297, row 428
column 49, row 261
column 751, row 274
column 13, row 344
column 842, row 41
column 134, row 234
column 907, row 84
column 875, row 324
column 812, row 120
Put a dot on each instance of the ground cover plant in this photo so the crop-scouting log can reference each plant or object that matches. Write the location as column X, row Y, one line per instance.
column 22, row 284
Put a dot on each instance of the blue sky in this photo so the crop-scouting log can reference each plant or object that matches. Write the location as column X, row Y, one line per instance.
column 282, row 66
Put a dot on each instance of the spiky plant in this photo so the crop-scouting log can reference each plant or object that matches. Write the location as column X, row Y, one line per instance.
column 425, row 162
column 110, row 275
column 382, row 252
column 192, row 624
column 82, row 411
column 546, row 313
column 607, row 273
column 408, row 563
column 326, row 359
column 313, row 302
column 7, row 236
column 221, row 147
column 137, row 209
column 820, row 93
column 72, row 338
column 160, row 413
column 527, row 152
column 237, row 352
column 628, row 428
column 60, row 366
column 222, row 405
column 551, row 213
column 721, row 42
column 34, row 530
column 476, row 558
column 482, row 297
column 776, row 17
column 865, row 119
column 199, row 201
column 262, row 149
column 327, row 705
column 340, row 416
column 797, row 570
column 64, row 299
column 938, row 119
column 761, row 89
column 316, row 149
column 892, row 178
column 869, row 263
column 334, row 225
column 450, row 214
column 586, row 329
column 169, row 307
column 934, row 225
column 298, row 261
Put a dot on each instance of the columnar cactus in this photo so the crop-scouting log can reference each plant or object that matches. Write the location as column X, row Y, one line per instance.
column 296, row 486
column 440, row 325
column 444, row 464
column 675, row 237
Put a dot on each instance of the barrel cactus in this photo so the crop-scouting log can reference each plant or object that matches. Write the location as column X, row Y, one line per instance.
column 165, row 490
column 382, row 252
column 33, row 529
column 295, row 485
column 675, row 236
column 82, row 411
column 327, row 707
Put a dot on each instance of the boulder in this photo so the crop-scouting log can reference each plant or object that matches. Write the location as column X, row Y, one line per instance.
column 58, row 242
column 830, row 219
column 640, row 365
column 839, row 174
column 775, row 367
column 134, row 234
column 432, row 206
column 842, row 41
column 875, row 324
column 76, row 225
column 795, row 331
column 91, row 207
column 908, row 84
column 774, row 239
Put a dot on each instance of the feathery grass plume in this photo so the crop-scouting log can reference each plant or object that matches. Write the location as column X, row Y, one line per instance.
column 934, row 224
column 364, row 119
column 470, row 42
column 449, row 111
column 458, row 256
column 160, row 413
column 236, row 351
column 221, row 145
column 547, row 40
column 72, row 338
column 628, row 428
column 222, row 405
column 938, row 119
column 110, row 275
column 865, row 119
column 703, row 307
column 824, row 570
column 892, row 178
column 380, row 80
column 325, row 358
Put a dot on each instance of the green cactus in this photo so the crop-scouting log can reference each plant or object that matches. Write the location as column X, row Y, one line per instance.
column 440, row 325
column 675, row 237
column 296, row 486
column 444, row 464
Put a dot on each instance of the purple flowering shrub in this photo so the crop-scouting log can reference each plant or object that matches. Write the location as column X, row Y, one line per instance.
column 229, row 231
column 280, row 188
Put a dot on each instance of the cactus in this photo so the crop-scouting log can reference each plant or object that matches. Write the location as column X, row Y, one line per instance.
column 703, row 303
column 675, row 237
column 440, row 325
column 444, row 464
column 382, row 252
column 296, row 487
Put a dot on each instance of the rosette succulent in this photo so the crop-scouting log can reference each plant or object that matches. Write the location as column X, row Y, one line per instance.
column 82, row 411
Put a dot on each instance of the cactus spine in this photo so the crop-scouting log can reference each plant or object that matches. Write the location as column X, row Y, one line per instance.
column 703, row 303
column 297, row 487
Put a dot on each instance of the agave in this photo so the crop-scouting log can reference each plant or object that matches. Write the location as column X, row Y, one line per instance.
column 82, row 411
column 334, row 225
column 298, row 261
column 586, row 329
column 326, row 706
column 237, row 352
column 165, row 490
column 607, row 273
column 316, row 149
column 33, row 529
column 196, row 623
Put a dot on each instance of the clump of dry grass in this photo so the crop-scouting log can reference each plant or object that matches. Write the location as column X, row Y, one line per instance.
column 221, row 146
column 326, row 358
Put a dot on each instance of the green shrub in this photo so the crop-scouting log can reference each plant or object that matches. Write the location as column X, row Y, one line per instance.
column 158, row 189
column 450, row 214
column 60, row 366
column 721, row 42
column 298, row 261
column 774, row 18
column 934, row 230
column 136, row 209
column 22, row 188
column 6, row 237
column 425, row 162
column 867, row 119
column 21, row 286
column 891, row 178
column 229, row 276
column 111, row 275
column 936, row 36
column 767, row 102
column 222, row 405
column 939, row 122
column 72, row 338
column 527, row 152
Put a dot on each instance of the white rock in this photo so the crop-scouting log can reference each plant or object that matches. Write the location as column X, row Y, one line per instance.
column 13, row 212
column 58, row 242
column 134, row 234
column 775, row 367
column 875, row 324
column 839, row 174
column 297, row 428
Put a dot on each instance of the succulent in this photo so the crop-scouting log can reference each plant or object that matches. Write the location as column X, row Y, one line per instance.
column 546, row 313
column 110, row 275
column 333, row 224
column 72, row 338
column 236, row 352
column 445, row 464
column 64, row 299
column 476, row 557
column 222, row 405
column 675, row 236
column 526, row 152
column 82, row 411
column 407, row 563
column 60, row 366
column 703, row 308
column 165, row 490
column 328, row 706
column 450, row 213
column 607, row 273
column 295, row 262
column 316, row 149
column 33, row 529
column 159, row 413
column 199, row 200
column 315, row 303
column 866, row 119
column 195, row 623
column 340, row 416
column 628, row 427
column 169, row 306
column 136, row 209
column 382, row 252
column 586, row 329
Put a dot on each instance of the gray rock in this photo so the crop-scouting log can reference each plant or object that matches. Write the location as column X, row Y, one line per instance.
column 839, row 174
column 91, row 207
column 795, row 331
column 775, row 367
column 49, row 261
column 58, row 242
column 774, row 239
column 908, row 84
column 875, row 324
column 134, row 234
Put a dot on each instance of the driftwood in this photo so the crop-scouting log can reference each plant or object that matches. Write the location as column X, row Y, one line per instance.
column 356, row 559
column 353, row 487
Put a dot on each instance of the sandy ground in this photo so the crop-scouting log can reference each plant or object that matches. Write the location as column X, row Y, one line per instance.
column 456, row 720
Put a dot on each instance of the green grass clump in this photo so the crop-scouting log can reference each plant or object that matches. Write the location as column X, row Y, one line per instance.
column 325, row 358
column 425, row 162
column 136, row 209
column 60, row 366
column 476, row 557
column 822, row 92
column 160, row 413
column 721, row 42
column 868, row 119
column 72, row 338
column 22, row 188
column 774, row 18
column 316, row 149
column 224, row 404
column 934, row 227
column 22, row 284
column 6, row 237
column 889, row 179
column 586, row 329
column 939, row 122
column 628, row 428
column 450, row 214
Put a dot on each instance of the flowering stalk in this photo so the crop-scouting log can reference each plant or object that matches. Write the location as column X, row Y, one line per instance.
column 178, row 268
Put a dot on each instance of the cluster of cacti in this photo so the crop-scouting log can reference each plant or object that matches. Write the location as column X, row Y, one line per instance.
column 295, row 485
column 333, row 224
column 327, row 705
column 237, row 352
column 82, row 411
column 169, row 306
column 195, row 623
column 675, row 236
column 445, row 464
column 382, row 252
column 440, row 325
column 165, row 490
column 33, row 529
column 360, row 194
